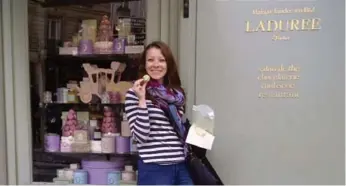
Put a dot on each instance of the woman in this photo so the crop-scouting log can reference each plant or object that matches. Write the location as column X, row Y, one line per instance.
column 161, row 152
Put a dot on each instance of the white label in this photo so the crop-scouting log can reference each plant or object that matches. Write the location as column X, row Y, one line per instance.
column 200, row 137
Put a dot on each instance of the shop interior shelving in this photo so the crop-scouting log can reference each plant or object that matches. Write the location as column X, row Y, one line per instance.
column 58, row 3
column 62, row 68
column 56, row 72
column 59, row 69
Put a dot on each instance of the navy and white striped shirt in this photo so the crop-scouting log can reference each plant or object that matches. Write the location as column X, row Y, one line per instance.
column 157, row 140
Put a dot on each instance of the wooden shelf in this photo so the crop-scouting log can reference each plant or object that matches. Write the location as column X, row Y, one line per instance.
column 57, row 3
column 84, row 155
column 81, row 106
column 78, row 154
column 123, row 58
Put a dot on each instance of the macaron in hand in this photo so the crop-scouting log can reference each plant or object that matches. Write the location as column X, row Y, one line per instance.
column 146, row 78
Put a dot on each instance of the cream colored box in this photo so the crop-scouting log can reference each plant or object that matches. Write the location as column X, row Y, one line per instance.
column 81, row 136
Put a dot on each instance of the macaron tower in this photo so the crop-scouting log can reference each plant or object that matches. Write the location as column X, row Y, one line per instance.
column 108, row 123
column 71, row 123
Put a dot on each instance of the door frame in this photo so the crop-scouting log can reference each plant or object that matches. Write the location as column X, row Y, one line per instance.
column 3, row 145
column 187, row 52
column 17, row 90
column 163, row 22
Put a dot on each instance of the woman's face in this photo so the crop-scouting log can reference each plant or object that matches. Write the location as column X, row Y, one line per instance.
column 155, row 64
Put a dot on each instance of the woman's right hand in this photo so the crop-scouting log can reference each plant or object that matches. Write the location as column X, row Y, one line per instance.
column 139, row 88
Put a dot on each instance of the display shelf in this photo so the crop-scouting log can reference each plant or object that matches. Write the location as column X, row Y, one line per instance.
column 85, row 154
column 107, row 156
column 117, row 108
column 52, row 183
column 57, row 3
column 50, row 165
column 124, row 58
column 46, row 163
column 65, row 106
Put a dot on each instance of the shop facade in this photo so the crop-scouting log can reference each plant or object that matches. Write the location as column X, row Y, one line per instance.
column 261, row 137
column 267, row 68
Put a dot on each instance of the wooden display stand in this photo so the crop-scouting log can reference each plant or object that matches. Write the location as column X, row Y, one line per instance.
column 98, row 82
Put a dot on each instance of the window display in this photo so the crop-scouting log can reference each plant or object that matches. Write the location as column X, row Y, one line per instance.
column 80, row 134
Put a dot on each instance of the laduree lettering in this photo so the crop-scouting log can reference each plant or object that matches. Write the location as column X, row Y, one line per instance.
column 283, row 25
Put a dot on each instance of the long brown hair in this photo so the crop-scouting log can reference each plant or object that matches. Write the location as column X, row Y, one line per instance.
column 171, row 80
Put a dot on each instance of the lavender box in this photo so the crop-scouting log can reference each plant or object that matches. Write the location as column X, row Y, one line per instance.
column 85, row 47
column 119, row 46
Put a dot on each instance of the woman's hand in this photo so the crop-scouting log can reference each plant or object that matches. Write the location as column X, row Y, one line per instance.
column 139, row 88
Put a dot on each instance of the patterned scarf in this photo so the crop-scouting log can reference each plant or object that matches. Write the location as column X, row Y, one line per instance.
column 169, row 101
column 164, row 97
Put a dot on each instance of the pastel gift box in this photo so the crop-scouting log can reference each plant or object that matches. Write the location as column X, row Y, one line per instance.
column 66, row 143
column 68, row 174
column 98, row 170
column 96, row 146
column 119, row 46
column 108, row 144
column 81, row 141
column 80, row 147
column 80, row 177
column 61, row 181
column 114, row 177
column 135, row 49
column 52, row 142
column 60, row 173
column 103, row 47
column 68, row 50
column 122, row 145
column 74, row 166
column 81, row 136
column 85, row 47
column 89, row 29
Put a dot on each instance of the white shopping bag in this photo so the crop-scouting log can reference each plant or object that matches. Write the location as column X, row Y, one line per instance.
column 200, row 138
column 203, row 117
column 202, row 127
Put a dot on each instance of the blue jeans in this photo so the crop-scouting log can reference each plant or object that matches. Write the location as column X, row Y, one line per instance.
column 155, row 174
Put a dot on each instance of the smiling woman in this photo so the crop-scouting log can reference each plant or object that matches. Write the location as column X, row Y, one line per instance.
column 162, row 154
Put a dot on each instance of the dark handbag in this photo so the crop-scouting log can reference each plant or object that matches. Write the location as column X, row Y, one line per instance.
column 200, row 169
column 199, row 172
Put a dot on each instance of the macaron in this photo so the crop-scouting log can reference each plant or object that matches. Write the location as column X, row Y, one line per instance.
column 146, row 77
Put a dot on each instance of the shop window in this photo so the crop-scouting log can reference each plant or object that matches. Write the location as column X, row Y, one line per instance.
column 86, row 61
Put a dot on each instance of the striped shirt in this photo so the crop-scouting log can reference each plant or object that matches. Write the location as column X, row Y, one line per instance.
column 157, row 140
